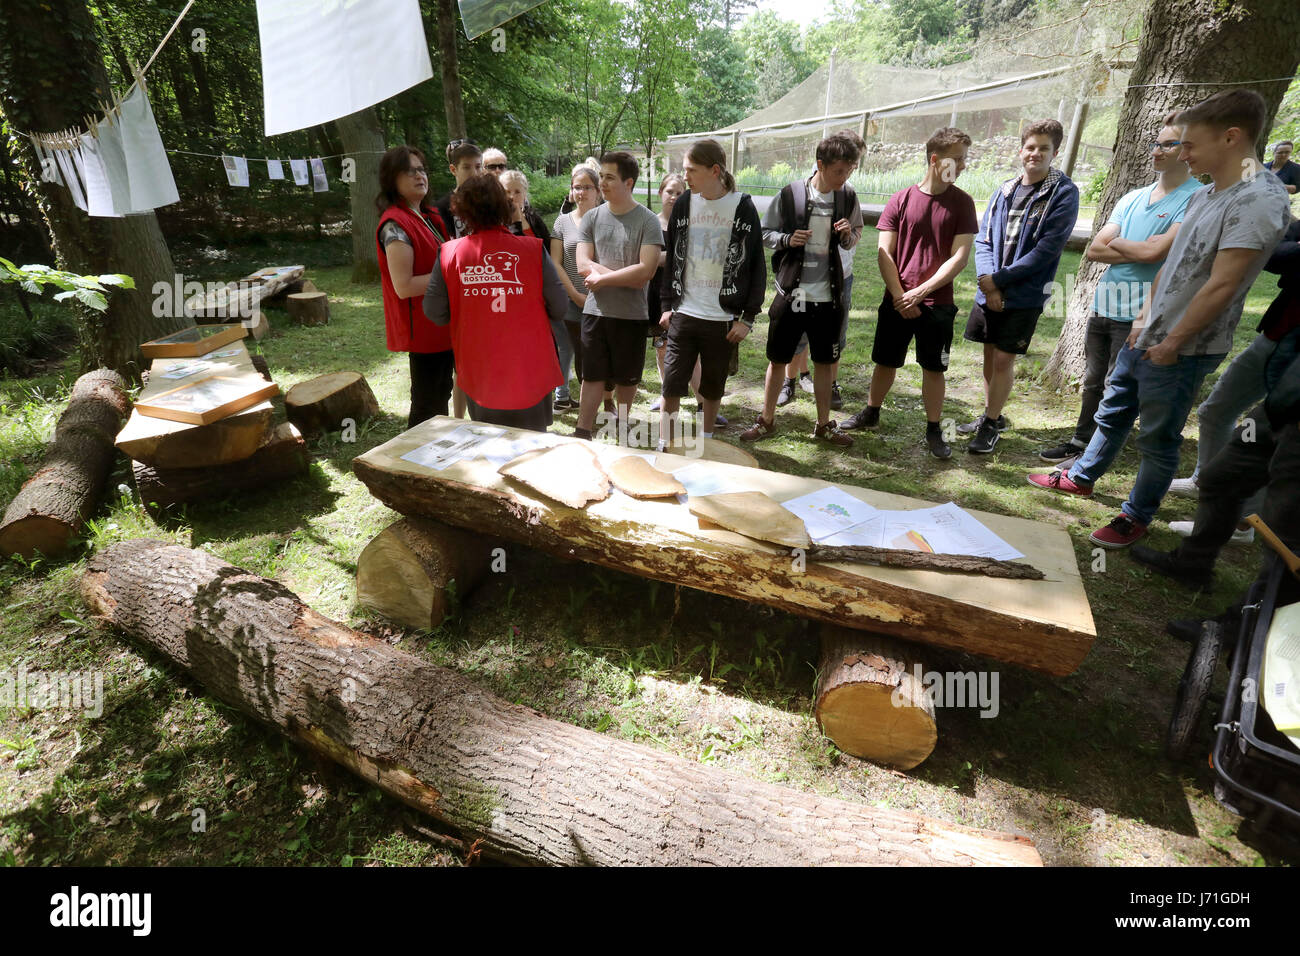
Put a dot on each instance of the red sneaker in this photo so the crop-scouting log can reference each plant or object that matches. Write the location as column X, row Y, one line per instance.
column 1120, row 533
column 1059, row 481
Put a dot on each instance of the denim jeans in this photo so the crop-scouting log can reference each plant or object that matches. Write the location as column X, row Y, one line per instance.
column 1104, row 339
column 564, row 349
column 1163, row 396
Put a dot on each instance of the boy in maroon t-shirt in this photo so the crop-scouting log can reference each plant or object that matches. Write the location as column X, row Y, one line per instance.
column 926, row 232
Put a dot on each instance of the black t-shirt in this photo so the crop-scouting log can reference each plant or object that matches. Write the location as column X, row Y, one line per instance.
column 1289, row 174
column 1020, row 200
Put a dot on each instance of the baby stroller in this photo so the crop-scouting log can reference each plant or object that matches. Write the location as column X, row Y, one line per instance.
column 1257, row 766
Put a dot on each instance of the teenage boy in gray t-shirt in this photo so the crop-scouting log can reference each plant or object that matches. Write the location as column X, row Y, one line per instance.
column 1185, row 330
column 618, row 253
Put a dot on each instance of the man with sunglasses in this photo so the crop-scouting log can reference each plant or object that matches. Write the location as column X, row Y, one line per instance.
column 1133, row 243
column 494, row 161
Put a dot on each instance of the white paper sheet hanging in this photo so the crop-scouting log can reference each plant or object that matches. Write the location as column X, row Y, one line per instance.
column 236, row 170
column 274, row 169
column 109, row 140
column 147, row 169
column 99, row 192
column 299, row 169
column 49, row 165
column 319, row 183
column 68, row 163
column 322, row 59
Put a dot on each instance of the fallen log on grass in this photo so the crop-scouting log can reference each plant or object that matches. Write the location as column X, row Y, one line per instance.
column 282, row 455
column 531, row 788
column 51, row 508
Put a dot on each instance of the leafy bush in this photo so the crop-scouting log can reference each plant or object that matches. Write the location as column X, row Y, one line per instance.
column 1091, row 193
column 781, row 172
column 749, row 174
column 25, row 343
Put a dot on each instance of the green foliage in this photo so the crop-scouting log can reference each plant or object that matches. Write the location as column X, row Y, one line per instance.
column 778, row 54
column 90, row 291
column 1091, row 193
column 780, row 174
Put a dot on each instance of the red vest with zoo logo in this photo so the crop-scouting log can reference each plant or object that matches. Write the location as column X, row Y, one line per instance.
column 500, row 332
column 404, row 321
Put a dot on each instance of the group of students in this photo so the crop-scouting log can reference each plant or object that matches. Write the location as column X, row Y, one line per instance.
column 611, row 276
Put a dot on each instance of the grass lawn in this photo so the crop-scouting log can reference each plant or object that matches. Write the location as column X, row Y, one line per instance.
column 1075, row 763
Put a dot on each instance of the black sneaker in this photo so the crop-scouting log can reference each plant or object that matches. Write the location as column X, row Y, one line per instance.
column 806, row 382
column 971, row 427
column 837, row 401
column 986, row 439
column 1168, row 564
column 787, row 393
column 869, row 417
column 1062, row 452
column 938, row 447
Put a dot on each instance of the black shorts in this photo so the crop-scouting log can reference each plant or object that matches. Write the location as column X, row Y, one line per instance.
column 932, row 329
column 1007, row 331
column 613, row 350
column 822, row 321
column 690, row 338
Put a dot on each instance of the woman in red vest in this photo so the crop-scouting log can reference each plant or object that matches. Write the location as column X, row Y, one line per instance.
column 498, row 293
column 409, row 235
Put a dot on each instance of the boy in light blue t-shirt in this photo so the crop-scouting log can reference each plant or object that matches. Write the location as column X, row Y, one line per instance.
column 1135, row 241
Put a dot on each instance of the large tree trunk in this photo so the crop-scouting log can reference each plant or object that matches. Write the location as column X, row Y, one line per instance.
column 363, row 137
column 1046, row 624
column 452, row 101
column 1200, row 42
column 50, row 509
column 49, row 86
column 533, row 789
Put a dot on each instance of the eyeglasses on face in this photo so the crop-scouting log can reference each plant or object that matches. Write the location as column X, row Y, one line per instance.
column 416, row 171
column 1167, row 145
column 583, row 189
column 495, row 167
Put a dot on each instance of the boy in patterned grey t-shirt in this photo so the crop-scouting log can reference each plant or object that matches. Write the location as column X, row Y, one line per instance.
column 1185, row 331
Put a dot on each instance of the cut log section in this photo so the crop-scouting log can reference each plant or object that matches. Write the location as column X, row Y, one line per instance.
column 531, row 788
column 635, row 476
column 1046, row 625
column 870, row 702
column 283, row 455
column 325, row 403
column 53, row 505
column 258, row 325
column 308, row 308
column 405, row 572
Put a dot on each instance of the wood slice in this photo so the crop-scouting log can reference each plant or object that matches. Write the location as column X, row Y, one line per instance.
column 323, row 403
column 569, row 473
column 531, row 788
column 283, row 455
column 166, row 444
column 53, row 505
column 405, row 571
column 869, row 700
column 753, row 514
column 635, row 476
column 308, row 308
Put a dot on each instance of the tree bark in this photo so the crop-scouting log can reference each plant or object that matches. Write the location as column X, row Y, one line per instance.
column 869, row 702
column 531, row 788
column 53, row 505
column 415, row 571
column 282, row 455
column 323, row 403
column 1211, row 45
column 453, row 103
column 52, row 86
column 363, row 137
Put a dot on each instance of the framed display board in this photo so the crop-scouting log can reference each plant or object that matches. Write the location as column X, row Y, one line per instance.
column 193, row 342
column 208, row 399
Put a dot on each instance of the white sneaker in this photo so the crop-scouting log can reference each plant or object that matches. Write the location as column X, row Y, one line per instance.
column 1184, row 487
column 1239, row 536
